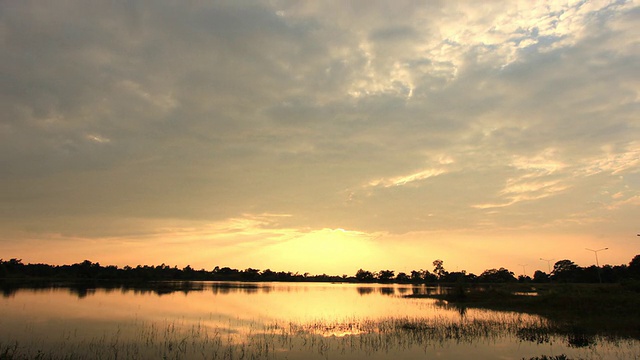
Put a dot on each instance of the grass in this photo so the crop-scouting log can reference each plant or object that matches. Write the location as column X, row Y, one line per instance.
column 592, row 309
column 357, row 338
column 574, row 317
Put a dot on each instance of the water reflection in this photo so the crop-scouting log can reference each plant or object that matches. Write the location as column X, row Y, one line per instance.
column 82, row 289
column 364, row 290
column 258, row 319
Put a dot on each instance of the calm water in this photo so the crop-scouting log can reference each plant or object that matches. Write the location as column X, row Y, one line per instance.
column 208, row 320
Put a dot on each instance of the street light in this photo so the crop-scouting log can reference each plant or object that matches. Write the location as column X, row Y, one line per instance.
column 524, row 269
column 596, row 252
column 597, row 263
column 548, row 263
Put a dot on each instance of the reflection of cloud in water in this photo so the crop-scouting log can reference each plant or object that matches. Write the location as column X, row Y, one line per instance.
column 270, row 317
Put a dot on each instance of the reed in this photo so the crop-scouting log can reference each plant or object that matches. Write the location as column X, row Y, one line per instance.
column 321, row 339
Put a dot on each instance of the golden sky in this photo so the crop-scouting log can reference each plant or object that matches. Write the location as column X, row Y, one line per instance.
column 320, row 137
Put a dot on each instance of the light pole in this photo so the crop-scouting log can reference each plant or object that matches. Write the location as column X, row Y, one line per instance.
column 524, row 270
column 596, row 252
column 597, row 263
column 548, row 264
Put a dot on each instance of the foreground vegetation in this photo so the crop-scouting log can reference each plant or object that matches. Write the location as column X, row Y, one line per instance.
column 577, row 319
column 581, row 313
column 589, row 309
column 348, row 339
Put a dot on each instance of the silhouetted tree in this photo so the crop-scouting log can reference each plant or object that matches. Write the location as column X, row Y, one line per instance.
column 634, row 268
column 540, row 277
column 497, row 276
column 590, row 274
column 250, row 274
column 565, row 271
column 416, row 276
column 12, row 267
column 454, row 277
column 402, row 278
column 438, row 268
column 187, row 272
column 364, row 276
column 385, row 275
column 524, row 278
column 268, row 275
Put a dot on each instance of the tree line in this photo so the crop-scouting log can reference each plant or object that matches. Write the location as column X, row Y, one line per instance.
column 563, row 271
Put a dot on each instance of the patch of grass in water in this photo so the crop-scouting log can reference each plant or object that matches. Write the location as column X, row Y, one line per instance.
column 178, row 340
column 608, row 309
column 545, row 357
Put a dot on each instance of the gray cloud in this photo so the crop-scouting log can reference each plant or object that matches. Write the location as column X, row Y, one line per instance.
column 212, row 111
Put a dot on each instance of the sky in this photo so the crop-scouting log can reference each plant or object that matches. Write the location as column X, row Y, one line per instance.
column 320, row 137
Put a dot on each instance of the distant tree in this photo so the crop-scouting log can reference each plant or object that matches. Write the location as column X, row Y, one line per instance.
column 454, row 277
column 402, row 277
column 590, row 274
column 364, row 276
column 524, row 278
column 3, row 269
column 565, row 271
column 634, row 268
column 471, row 277
column 416, row 276
column 438, row 268
column 430, row 278
column 86, row 269
column 609, row 274
column 497, row 276
column 15, row 262
column 564, row 265
column 619, row 273
column 540, row 277
column 386, row 275
column 12, row 266
column 226, row 273
column 250, row 274
column 268, row 275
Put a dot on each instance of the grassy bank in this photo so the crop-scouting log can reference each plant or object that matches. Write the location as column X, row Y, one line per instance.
column 609, row 309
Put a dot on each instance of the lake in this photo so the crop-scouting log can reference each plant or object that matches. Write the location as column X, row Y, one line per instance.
column 223, row 320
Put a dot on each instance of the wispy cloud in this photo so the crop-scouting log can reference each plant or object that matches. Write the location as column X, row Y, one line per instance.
column 371, row 117
column 406, row 179
column 612, row 161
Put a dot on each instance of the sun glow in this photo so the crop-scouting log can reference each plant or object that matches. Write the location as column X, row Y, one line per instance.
column 324, row 251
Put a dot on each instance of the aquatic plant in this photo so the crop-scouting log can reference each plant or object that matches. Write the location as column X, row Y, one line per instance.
column 306, row 338
column 312, row 339
column 545, row 357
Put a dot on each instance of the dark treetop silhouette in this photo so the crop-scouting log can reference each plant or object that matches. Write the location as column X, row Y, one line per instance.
column 563, row 271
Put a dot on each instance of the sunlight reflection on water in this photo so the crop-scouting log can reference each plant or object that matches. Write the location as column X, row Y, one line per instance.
column 272, row 320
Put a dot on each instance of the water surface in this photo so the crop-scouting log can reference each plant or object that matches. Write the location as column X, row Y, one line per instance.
column 222, row 320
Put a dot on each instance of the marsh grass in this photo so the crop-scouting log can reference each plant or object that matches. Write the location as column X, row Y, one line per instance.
column 608, row 310
column 319, row 339
column 545, row 357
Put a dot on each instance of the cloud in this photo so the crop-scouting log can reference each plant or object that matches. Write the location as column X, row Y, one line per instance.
column 403, row 180
column 367, row 116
